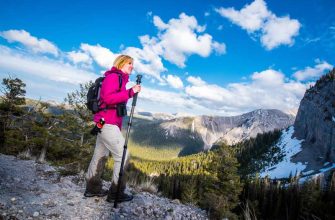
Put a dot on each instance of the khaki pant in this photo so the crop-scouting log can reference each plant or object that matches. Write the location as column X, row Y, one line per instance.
column 109, row 140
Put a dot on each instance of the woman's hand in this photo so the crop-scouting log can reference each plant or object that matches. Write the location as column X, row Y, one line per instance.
column 136, row 88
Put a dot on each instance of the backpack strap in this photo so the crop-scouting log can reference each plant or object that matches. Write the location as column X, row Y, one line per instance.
column 120, row 81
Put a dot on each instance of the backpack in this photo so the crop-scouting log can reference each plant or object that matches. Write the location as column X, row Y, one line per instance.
column 93, row 94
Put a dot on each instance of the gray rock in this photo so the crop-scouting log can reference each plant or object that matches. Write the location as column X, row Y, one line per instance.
column 36, row 214
column 64, row 199
column 315, row 124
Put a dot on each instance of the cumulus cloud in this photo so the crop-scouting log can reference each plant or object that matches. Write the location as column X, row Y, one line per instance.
column 176, row 40
column 79, row 57
column 277, row 31
column 268, row 89
column 176, row 101
column 42, row 67
column 181, row 37
column 311, row 73
column 256, row 17
column 250, row 18
column 268, row 78
column 147, row 60
column 34, row 44
column 197, row 81
column 174, row 81
column 101, row 55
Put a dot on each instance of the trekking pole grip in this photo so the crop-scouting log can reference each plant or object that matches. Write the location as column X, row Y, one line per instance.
column 138, row 82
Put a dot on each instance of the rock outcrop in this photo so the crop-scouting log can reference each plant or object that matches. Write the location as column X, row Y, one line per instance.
column 29, row 190
column 315, row 123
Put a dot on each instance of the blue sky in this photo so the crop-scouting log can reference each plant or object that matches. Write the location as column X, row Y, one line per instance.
column 198, row 57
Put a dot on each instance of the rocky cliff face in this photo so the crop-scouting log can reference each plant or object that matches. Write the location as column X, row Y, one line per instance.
column 211, row 130
column 315, row 123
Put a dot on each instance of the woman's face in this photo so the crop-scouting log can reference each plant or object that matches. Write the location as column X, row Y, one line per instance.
column 128, row 67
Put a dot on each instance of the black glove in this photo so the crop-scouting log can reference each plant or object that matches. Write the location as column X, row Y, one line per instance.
column 98, row 126
column 95, row 130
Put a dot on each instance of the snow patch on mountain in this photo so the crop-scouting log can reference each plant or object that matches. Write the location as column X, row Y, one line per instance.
column 290, row 146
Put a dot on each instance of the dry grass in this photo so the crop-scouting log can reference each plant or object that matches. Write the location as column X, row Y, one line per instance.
column 145, row 186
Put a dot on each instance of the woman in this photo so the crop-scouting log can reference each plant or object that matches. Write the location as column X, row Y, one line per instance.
column 113, row 93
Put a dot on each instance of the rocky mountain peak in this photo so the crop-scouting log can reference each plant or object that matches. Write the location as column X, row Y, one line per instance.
column 230, row 129
column 315, row 122
column 238, row 128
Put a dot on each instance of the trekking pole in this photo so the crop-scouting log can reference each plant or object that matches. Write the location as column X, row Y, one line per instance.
column 138, row 81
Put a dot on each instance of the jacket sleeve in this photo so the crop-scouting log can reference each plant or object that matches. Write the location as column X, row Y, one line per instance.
column 110, row 93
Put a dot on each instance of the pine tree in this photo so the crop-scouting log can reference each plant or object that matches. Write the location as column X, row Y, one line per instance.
column 224, row 186
column 13, row 91
column 77, row 100
column 189, row 191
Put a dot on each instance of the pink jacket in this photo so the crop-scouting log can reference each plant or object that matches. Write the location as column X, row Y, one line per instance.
column 110, row 95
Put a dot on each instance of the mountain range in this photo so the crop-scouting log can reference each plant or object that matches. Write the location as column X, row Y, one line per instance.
column 199, row 133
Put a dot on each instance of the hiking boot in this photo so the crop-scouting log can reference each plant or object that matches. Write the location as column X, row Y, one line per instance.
column 94, row 188
column 123, row 197
column 101, row 193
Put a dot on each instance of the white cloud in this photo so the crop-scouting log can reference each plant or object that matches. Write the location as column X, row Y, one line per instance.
column 197, row 81
column 175, row 41
column 310, row 73
column 277, row 31
column 219, row 48
column 207, row 92
column 101, row 55
column 174, row 81
column 146, row 59
column 250, row 18
column 268, row 89
column 182, row 37
column 268, row 78
column 42, row 67
column 174, row 101
column 159, row 23
column 256, row 17
column 79, row 57
column 30, row 42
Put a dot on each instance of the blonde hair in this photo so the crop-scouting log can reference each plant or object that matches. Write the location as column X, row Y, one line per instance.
column 121, row 60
